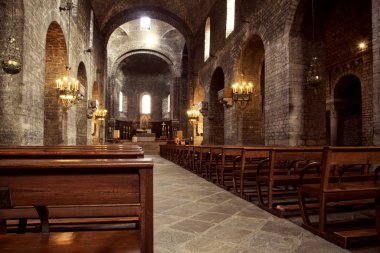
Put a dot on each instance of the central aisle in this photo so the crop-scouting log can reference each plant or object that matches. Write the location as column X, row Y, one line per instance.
column 193, row 215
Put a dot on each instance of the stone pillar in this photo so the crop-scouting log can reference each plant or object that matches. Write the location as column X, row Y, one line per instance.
column 333, row 128
column 13, row 95
column 376, row 70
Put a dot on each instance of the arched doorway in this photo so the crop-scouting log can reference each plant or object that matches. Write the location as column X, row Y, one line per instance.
column 81, row 107
column 348, row 108
column 252, row 69
column 216, row 109
column 55, row 128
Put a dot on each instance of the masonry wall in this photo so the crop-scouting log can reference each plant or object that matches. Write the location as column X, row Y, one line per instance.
column 376, row 70
column 294, row 113
column 270, row 25
column 26, row 126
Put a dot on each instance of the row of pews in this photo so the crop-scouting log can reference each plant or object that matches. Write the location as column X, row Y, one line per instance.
column 76, row 199
column 310, row 181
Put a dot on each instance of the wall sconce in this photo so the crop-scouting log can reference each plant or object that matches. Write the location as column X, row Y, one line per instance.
column 225, row 97
column 242, row 93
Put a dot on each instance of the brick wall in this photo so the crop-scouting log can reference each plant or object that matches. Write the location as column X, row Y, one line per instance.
column 24, row 114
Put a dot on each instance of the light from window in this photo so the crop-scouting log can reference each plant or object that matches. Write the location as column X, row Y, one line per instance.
column 230, row 22
column 207, row 39
column 91, row 29
column 168, row 109
column 120, row 101
column 146, row 104
column 145, row 23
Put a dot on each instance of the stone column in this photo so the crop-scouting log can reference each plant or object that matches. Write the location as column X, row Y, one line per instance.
column 13, row 94
column 376, row 70
column 333, row 128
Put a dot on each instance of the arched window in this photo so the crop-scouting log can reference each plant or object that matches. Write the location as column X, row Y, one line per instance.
column 207, row 39
column 120, row 101
column 230, row 22
column 91, row 40
column 168, row 109
column 146, row 104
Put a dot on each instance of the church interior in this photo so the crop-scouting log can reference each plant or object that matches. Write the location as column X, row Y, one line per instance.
column 190, row 126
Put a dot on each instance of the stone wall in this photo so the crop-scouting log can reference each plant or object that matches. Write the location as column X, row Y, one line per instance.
column 376, row 70
column 26, row 126
column 294, row 113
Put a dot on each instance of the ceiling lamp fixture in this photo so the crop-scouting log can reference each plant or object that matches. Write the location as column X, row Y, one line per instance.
column 11, row 62
column 314, row 77
column 68, row 88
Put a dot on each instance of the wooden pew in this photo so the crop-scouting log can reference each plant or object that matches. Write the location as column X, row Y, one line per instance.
column 330, row 192
column 127, row 183
column 214, row 161
column 57, row 152
column 244, row 172
column 203, row 160
column 226, row 165
column 278, row 178
column 69, row 154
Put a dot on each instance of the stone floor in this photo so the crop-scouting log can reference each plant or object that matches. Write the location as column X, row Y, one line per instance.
column 193, row 215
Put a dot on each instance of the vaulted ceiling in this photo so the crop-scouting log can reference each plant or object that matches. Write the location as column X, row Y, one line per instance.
column 190, row 12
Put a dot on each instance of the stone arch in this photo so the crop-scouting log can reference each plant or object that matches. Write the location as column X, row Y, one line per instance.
column 12, row 114
column 252, row 69
column 154, row 13
column 335, row 44
column 216, row 109
column 55, row 126
column 81, row 107
column 348, row 110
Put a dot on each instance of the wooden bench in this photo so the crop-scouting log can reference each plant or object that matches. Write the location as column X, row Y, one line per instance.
column 225, row 165
column 345, row 192
column 278, row 178
column 69, row 154
column 61, row 152
column 244, row 171
column 126, row 183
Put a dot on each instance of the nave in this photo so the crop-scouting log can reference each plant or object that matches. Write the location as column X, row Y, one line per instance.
column 194, row 215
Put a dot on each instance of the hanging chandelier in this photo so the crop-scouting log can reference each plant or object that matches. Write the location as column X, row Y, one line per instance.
column 100, row 114
column 68, row 88
column 193, row 115
column 11, row 63
column 313, row 77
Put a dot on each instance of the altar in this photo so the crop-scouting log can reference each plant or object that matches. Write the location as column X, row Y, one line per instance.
column 145, row 135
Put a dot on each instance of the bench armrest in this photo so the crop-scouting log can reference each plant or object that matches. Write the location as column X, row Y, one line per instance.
column 377, row 171
column 261, row 165
column 313, row 166
column 236, row 160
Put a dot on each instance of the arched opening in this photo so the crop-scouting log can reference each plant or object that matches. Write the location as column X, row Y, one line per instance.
column 252, row 69
column 348, row 107
column 207, row 39
column 216, row 109
column 81, row 107
column 55, row 127
column 339, row 28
